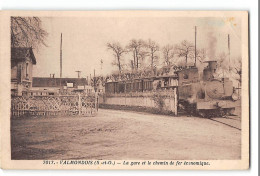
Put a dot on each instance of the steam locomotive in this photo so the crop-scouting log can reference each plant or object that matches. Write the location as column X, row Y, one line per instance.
column 198, row 93
column 203, row 94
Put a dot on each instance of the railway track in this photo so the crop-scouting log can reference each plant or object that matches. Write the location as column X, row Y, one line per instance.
column 230, row 121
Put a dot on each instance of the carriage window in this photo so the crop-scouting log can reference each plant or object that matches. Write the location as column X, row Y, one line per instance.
column 201, row 95
column 185, row 76
column 27, row 75
column 19, row 73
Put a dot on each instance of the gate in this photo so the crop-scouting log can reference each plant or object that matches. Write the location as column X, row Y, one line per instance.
column 61, row 105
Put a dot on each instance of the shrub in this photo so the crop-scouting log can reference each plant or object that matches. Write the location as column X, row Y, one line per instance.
column 158, row 100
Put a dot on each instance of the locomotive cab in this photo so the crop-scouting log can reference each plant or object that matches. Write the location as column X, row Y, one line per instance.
column 188, row 75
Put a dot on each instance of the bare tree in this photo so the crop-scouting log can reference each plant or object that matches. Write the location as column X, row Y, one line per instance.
column 135, row 46
column 152, row 49
column 237, row 68
column 222, row 65
column 200, row 54
column 142, row 56
column 27, row 32
column 222, row 61
column 184, row 49
column 168, row 54
column 118, row 51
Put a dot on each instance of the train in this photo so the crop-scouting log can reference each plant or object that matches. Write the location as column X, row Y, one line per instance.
column 198, row 92
column 204, row 93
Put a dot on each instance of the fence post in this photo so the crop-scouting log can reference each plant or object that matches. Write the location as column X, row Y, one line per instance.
column 175, row 101
column 79, row 104
column 96, row 101
column 60, row 106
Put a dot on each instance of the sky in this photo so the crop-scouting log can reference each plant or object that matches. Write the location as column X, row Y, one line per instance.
column 85, row 39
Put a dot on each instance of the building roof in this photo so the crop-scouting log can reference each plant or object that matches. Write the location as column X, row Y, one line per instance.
column 20, row 53
column 57, row 82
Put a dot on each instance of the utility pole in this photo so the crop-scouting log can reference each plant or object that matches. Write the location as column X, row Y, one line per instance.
column 78, row 73
column 132, row 65
column 61, row 55
column 229, row 52
column 101, row 64
column 195, row 45
column 90, row 78
column 94, row 80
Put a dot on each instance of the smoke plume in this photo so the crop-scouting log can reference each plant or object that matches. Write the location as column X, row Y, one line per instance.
column 212, row 44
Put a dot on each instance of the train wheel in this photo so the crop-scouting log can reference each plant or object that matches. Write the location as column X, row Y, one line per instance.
column 222, row 113
column 230, row 111
column 208, row 113
column 202, row 113
column 213, row 113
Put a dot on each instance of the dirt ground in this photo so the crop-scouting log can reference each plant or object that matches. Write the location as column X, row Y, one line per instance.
column 122, row 135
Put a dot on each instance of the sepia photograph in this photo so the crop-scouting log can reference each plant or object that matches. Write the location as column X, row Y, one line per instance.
column 129, row 86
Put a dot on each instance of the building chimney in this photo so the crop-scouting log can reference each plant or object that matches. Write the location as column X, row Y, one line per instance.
column 78, row 73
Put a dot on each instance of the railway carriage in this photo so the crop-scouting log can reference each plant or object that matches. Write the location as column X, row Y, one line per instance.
column 198, row 93
column 141, row 84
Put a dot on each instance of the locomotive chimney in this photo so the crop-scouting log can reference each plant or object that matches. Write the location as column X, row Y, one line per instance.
column 212, row 66
column 208, row 72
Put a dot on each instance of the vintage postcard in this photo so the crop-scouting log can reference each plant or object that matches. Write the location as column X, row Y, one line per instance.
column 124, row 90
